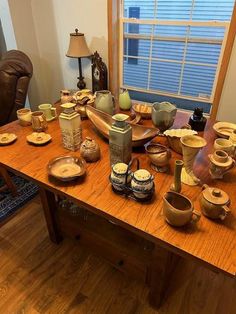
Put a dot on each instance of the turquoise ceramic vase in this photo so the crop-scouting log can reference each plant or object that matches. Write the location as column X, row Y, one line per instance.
column 124, row 100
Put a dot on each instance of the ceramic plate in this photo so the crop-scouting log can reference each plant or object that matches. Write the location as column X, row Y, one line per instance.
column 224, row 129
column 66, row 168
column 7, row 138
column 39, row 138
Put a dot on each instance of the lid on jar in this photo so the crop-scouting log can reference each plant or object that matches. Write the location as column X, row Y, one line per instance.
column 215, row 196
column 120, row 168
column 88, row 142
column 142, row 175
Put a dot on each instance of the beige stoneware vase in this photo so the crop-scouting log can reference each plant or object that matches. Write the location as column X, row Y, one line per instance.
column 191, row 144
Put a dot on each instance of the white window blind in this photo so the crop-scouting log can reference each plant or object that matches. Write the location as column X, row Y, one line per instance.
column 173, row 47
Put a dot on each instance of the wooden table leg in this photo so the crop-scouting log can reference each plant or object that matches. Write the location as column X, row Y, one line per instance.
column 162, row 266
column 6, row 177
column 49, row 207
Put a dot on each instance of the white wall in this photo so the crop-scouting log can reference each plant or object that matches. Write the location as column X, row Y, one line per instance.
column 227, row 106
column 7, row 26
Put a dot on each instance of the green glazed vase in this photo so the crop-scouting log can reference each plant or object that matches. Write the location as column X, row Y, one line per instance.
column 124, row 100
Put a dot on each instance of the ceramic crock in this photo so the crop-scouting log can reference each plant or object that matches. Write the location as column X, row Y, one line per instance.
column 90, row 150
column 163, row 115
column 142, row 181
column 214, row 202
column 118, row 175
column 104, row 101
column 178, row 209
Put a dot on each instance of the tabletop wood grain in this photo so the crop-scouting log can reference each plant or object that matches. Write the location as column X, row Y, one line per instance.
column 210, row 243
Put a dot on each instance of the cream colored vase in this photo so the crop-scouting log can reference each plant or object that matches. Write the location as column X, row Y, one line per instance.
column 191, row 144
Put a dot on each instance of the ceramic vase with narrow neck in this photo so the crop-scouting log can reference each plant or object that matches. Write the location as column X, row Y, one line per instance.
column 124, row 100
column 191, row 144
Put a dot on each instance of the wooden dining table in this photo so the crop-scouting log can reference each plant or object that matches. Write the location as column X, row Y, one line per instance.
column 134, row 236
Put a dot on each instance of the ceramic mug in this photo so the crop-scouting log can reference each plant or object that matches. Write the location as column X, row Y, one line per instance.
column 39, row 123
column 225, row 145
column 178, row 209
column 24, row 116
column 49, row 112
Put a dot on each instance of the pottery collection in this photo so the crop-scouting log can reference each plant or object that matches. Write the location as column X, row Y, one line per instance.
column 220, row 164
column 163, row 115
column 178, row 209
column 214, row 203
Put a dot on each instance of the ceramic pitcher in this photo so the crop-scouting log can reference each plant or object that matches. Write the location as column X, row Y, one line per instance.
column 104, row 101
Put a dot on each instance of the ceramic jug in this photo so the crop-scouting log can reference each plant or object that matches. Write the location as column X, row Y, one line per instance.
column 178, row 209
column 104, row 101
column 124, row 100
column 39, row 123
column 163, row 115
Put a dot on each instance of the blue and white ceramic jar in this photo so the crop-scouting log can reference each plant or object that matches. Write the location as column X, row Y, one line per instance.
column 118, row 175
column 142, row 181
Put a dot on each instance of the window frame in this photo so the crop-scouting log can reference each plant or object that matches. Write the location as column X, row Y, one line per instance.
column 115, row 47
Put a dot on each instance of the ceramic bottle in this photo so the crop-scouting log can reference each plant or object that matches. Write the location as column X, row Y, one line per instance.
column 120, row 140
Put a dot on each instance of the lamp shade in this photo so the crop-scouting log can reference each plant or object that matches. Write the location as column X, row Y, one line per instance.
column 78, row 47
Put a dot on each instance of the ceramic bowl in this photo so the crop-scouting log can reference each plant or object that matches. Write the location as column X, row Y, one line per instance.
column 145, row 110
column 66, row 168
column 38, row 138
column 224, row 129
column 174, row 136
column 7, row 138
column 103, row 122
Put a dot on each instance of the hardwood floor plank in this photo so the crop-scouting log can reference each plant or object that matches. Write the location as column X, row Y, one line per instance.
column 38, row 277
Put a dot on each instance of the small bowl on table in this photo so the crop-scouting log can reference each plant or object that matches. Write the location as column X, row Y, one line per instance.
column 144, row 109
column 66, row 168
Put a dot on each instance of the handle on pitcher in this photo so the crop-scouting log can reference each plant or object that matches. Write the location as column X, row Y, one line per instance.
column 54, row 112
column 196, row 215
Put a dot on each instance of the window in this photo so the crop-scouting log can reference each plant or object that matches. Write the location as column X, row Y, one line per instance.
column 172, row 49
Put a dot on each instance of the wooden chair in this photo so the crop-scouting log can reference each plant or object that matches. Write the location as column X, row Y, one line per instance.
column 8, row 182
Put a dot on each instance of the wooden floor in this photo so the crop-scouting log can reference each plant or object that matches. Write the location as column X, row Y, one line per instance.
column 37, row 276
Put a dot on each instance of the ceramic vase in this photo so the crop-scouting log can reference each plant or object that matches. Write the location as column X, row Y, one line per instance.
column 191, row 144
column 163, row 115
column 176, row 186
column 104, row 101
column 124, row 100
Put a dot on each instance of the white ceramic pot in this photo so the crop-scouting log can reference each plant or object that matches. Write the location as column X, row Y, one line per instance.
column 142, row 181
column 118, row 175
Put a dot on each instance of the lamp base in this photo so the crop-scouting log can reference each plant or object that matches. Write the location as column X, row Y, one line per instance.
column 81, row 83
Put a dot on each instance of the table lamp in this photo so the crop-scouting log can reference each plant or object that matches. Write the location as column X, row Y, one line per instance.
column 78, row 49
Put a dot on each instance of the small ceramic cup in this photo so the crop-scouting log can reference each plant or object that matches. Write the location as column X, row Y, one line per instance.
column 178, row 209
column 225, row 145
column 24, row 116
column 49, row 112
column 39, row 123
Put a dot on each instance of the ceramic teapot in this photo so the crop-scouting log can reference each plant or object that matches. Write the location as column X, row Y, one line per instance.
column 90, row 150
column 214, row 202
column 163, row 115
column 104, row 101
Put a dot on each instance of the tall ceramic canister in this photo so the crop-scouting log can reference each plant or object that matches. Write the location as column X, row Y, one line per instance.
column 120, row 140
column 70, row 124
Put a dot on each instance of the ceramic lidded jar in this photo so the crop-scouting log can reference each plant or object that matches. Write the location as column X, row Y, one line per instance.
column 214, row 202
column 118, row 175
column 90, row 150
column 142, row 181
